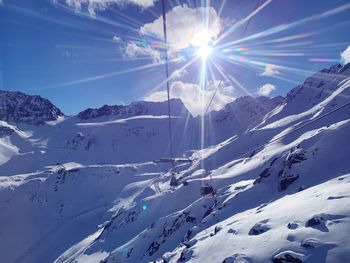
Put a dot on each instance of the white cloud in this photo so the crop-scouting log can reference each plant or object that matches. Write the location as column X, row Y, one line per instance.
column 116, row 39
column 191, row 95
column 1, row 2
column 270, row 70
column 179, row 73
column 345, row 55
column 132, row 50
column 66, row 54
column 266, row 89
column 186, row 26
column 95, row 5
column 141, row 3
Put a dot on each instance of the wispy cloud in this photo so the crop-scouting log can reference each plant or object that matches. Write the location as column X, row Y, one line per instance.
column 179, row 73
column 133, row 50
column 270, row 70
column 191, row 95
column 345, row 55
column 116, row 39
column 95, row 5
column 266, row 89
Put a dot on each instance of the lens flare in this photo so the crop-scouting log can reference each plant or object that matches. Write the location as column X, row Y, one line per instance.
column 205, row 51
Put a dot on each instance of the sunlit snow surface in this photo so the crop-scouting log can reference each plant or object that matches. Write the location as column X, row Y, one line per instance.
column 87, row 190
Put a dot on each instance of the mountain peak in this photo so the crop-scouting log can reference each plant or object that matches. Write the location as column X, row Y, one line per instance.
column 22, row 108
column 251, row 108
column 137, row 108
column 319, row 84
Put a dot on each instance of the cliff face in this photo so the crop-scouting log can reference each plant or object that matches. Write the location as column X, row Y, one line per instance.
column 21, row 108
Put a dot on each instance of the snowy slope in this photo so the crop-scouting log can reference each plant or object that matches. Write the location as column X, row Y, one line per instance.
column 251, row 198
column 85, row 189
column 118, row 135
column 237, row 117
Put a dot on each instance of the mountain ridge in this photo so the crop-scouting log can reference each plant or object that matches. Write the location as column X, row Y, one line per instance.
column 90, row 189
column 19, row 107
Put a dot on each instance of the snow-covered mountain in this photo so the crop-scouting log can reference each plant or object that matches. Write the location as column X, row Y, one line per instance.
column 237, row 117
column 85, row 188
column 116, row 135
column 136, row 109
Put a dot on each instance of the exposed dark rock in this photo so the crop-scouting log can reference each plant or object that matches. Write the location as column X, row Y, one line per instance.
column 259, row 228
column 231, row 231
column 285, row 182
column 188, row 235
column 191, row 219
column 21, row 108
column 273, row 161
column 207, row 212
column 80, row 140
column 185, row 255
column 318, row 81
column 301, row 188
column 253, row 108
column 170, row 228
column 216, row 230
column 286, row 178
column 5, row 131
column 293, row 225
column 263, row 174
column 293, row 158
column 311, row 243
column 314, row 221
column 241, row 258
column 128, row 254
column 190, row 243
column 306, row 244
column 153, row 248
column 287, row 257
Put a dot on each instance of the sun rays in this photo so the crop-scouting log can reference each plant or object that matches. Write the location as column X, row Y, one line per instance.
column 211, row 50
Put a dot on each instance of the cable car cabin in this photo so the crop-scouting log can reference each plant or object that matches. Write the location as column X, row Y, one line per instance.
column 207, row 190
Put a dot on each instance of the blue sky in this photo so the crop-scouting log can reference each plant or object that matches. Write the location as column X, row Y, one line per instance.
column 81, row 57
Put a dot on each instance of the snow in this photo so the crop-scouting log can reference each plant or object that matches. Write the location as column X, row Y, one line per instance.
column 87, row 189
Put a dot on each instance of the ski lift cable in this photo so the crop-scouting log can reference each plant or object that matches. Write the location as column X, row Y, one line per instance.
column 212, row 98
column 248, row 22
column 167, row 72
column 167, row 78
column 243, row 34
column 282, row 136
column 296, row 129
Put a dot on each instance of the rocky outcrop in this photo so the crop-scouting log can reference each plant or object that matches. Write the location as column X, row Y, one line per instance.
column 18, row 107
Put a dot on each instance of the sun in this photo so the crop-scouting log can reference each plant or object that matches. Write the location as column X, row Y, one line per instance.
column 204, row 51
column 202, row 41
